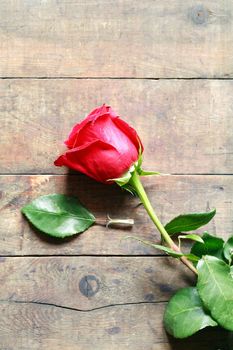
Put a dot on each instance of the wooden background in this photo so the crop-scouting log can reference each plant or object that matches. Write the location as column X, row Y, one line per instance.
column 167, row 68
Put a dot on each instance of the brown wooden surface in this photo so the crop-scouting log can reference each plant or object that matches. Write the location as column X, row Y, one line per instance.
column 171, row 195
column 89, row 283
column 33, row 326
column 96, row 291
column 172, row 38
column 91, row 303
column 186, row 126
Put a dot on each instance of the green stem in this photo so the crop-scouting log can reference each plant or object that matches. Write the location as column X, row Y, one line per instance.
column 137, row 185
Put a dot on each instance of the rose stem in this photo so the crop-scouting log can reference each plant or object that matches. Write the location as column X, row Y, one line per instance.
column 137, row 185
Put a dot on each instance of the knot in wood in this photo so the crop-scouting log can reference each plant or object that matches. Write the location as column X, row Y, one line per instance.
column 89, row 285
column 199, row 14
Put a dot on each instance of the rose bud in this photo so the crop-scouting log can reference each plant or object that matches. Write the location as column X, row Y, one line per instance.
column 102, row 146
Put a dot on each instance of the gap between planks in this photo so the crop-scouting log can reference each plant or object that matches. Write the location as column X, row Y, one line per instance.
column 83, row 255
column 112, row 78
column 78, row 174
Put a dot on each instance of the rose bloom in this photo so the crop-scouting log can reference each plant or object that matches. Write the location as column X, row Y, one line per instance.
column 102, row 146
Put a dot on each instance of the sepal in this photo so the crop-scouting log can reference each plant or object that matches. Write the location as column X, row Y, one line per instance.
column 124, row 180
column 142, row 172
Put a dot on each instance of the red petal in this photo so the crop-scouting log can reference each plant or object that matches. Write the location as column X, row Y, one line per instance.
column 130, row 132
column 92, row 117
column 98, row 160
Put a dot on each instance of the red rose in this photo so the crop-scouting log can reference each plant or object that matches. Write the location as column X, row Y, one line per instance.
column 102, row 146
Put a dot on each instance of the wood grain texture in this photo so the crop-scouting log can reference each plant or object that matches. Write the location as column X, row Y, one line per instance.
column 90, row 283
column 116, row 38
column 186, row 126
column 66, row 302
column 131, row 327
column 170, row 195
column 53, row 303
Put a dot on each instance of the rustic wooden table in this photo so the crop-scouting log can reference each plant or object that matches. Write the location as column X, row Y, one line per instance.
column 166, row 67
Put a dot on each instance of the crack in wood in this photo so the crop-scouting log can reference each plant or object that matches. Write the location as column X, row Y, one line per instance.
column 81, row 310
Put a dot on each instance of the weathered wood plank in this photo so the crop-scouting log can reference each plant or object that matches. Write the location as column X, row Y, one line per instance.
column 186, row 126
column 170, row 195
column 102, row 303
column 87, row 283
column 116, row 38
column 131, row 327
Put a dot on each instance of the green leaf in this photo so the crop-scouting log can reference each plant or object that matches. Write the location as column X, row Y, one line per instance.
column 215, row 287
column 192, row 257
column 58, row 215
column 167, row 250
column 231, row 269
column 184, row 314
column 189, row 222
column 193, row 237
column 228, row 249
column 212, row 246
